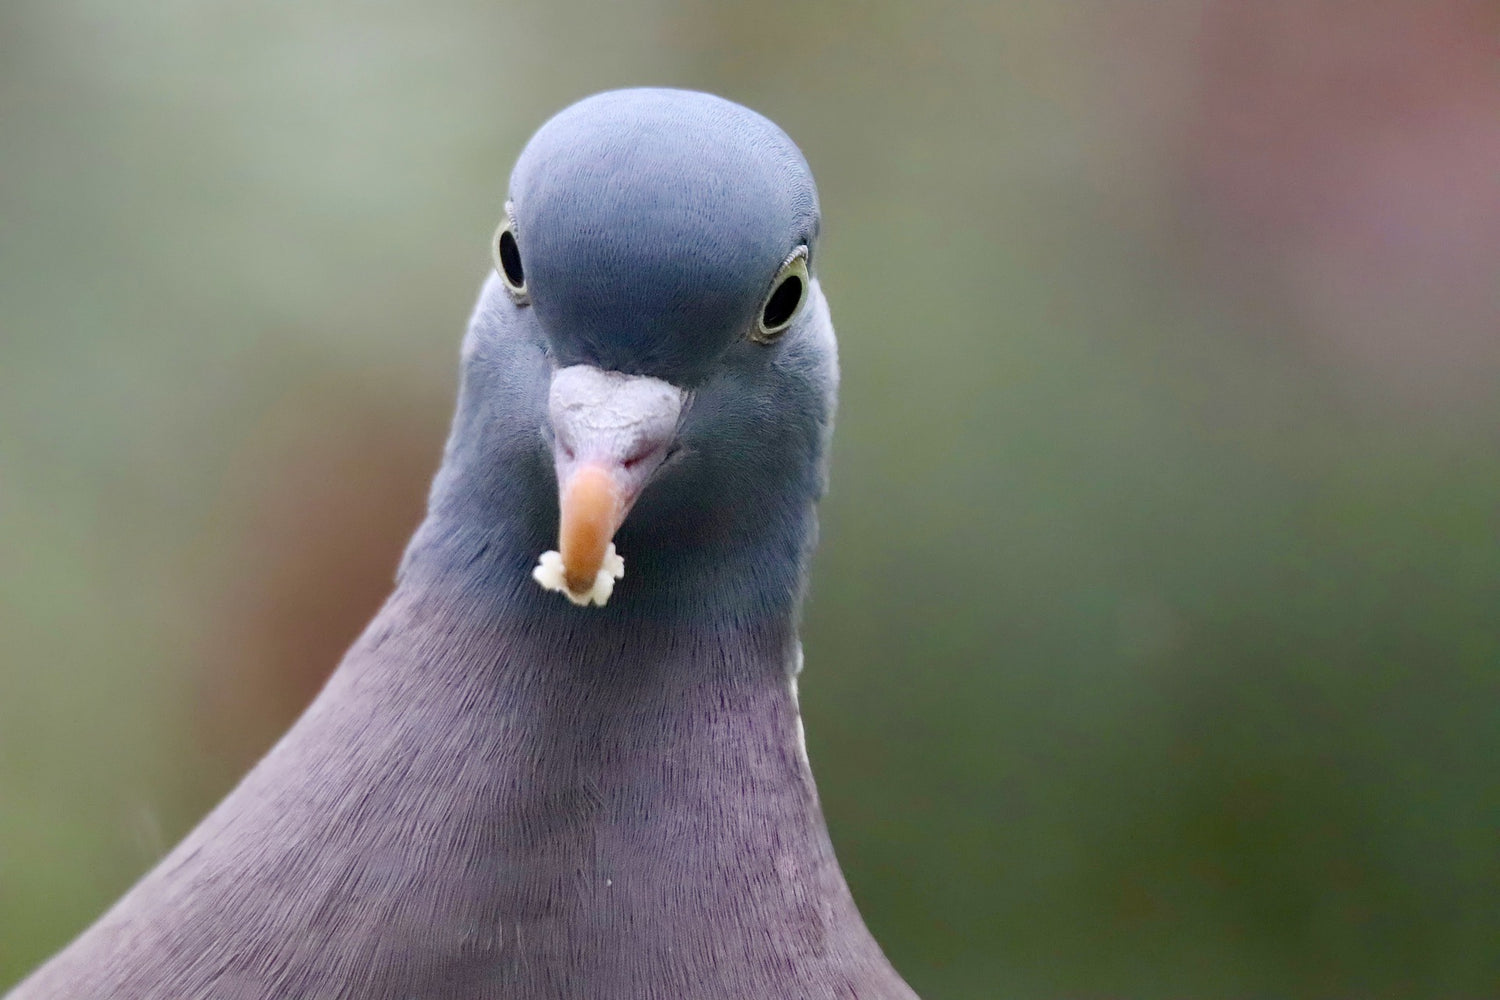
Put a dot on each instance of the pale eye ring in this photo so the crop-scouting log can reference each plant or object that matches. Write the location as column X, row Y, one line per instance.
column 785, row 299
column 506, row 251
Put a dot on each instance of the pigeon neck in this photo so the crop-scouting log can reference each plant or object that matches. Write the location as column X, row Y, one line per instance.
column 641, row 793
column 687, row 575
column 720, row 621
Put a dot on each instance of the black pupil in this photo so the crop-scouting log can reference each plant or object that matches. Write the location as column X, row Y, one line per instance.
column 510, row 260
column 782, row 303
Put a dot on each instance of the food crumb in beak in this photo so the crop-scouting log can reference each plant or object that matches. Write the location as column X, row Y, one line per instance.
column 550, row 574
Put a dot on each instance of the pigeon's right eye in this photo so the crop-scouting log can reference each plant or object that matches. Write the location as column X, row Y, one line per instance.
column 507, row 254
column 785, row 299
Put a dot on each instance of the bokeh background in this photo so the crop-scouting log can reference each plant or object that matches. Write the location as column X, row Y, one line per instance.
column 1154, row 644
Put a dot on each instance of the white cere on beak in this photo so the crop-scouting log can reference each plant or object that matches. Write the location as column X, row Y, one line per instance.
column 611, row 433
column 549, row 573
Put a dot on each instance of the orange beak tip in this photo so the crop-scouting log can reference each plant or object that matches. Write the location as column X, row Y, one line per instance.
column 589, row 512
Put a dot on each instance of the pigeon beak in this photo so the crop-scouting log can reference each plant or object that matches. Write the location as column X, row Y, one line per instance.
column 591, row 508
column 610, row 432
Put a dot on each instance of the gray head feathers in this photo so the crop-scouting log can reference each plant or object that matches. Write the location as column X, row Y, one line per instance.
column 651, row 224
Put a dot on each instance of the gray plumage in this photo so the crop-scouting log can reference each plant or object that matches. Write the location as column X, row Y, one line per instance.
column 498, row 793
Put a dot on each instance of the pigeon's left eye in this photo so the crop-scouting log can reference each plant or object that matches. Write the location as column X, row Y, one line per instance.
column 507, row 254
column 785, row 299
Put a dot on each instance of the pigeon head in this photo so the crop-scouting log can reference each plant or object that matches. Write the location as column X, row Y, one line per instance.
column 654, row 314
column 648, row 228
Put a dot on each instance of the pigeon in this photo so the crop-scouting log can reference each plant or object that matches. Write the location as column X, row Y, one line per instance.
column 565, row 759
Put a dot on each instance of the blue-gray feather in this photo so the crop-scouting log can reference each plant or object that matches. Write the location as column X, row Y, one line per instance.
column 663, row 215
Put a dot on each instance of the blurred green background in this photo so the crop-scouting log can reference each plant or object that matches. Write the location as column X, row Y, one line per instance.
column 1154, row 643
